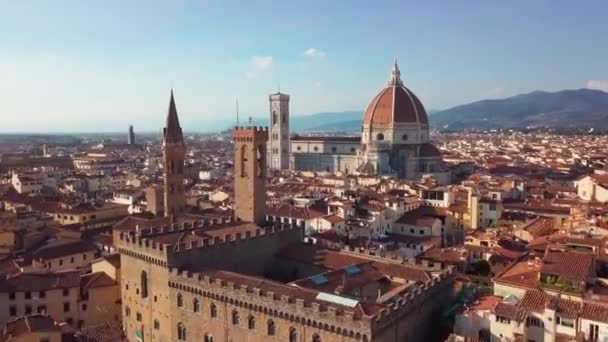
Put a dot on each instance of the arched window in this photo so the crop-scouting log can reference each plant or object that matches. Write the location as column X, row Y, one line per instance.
column 180, row 300
column 213, row 311
column 235, row 317
column 144, row 284
column 274, row 117
column 208, row 338
column 243, row 161
column 251, row 322
column 293, row 335
column 271, row 328
column 316, row 338
column 196, row 307
column 379, row 136
column 284, row 118
column 181, row 332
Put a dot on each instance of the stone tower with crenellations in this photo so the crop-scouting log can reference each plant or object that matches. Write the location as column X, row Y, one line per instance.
column 174, row 154
column 250, row 173
column 279, row 132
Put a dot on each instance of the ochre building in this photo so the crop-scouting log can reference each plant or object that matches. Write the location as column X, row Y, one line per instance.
column 241, row 278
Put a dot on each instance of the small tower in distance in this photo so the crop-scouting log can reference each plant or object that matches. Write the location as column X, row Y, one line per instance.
column 279, row 131
column 131, row 136
column 250, row 173
column 174, row 154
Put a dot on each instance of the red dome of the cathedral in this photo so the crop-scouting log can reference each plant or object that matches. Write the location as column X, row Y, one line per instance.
column 395, row 104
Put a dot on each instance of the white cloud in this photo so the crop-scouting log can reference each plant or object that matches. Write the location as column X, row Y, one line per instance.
column 312, row 52
column 598, row 85
column 259, row 65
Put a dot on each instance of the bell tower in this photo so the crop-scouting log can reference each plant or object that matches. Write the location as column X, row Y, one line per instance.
column 174, row 153
column 250, row 173
column 279, row 131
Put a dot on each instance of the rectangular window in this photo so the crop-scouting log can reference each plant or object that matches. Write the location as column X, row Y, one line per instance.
column 41, row 309
column 28, row 310
column 11, row 296
column 42, row 294
column 28, row 295
column 66, row 307
column 503, row 320
column 12, row 311
column 594, row 332
column 565, row 322
column 66, row 292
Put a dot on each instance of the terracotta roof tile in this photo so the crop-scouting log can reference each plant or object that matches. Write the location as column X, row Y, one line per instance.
column 569, row 264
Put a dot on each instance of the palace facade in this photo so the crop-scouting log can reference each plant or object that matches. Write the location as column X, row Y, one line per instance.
column 243, row 278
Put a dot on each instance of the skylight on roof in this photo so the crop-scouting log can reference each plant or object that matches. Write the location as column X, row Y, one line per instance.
column 319, row 279
column 352, row 269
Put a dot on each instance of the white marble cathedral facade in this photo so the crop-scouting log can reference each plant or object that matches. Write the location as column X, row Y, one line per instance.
column 394, row 141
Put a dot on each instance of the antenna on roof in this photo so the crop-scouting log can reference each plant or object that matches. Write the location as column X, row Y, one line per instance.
column 237, row 111
column 279, row 87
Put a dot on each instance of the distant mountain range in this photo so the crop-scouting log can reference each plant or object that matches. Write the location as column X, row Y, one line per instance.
column 581, row 108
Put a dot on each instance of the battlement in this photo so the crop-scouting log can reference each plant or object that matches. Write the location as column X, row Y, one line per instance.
column 278, row 96
column 250, row 133
column 287, row 302
column 422, row 264
column 283, row 303
column 142, row 240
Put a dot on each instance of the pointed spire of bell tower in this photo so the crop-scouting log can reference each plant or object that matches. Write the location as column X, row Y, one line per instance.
column 172, row 133
column 395, row 76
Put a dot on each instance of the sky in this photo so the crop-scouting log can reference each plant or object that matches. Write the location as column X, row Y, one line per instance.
column 98, row 66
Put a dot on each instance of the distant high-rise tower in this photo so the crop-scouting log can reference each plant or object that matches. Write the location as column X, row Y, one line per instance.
column 279, row 132
column 174, row 154
column 250, row 173
column 131, row 137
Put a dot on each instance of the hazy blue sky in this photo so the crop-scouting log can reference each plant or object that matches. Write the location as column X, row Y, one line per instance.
column 100, row 65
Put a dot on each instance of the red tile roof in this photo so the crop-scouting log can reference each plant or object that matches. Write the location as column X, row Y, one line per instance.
column 395, row 104
column 568, row 264
column 332, row 260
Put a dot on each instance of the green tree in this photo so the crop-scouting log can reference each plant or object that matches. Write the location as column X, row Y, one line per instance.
column 481, row 268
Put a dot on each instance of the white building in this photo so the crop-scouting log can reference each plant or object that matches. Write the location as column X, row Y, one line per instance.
column 593, row 187
column 538, row 317
column 394, row 141
column 26, row 184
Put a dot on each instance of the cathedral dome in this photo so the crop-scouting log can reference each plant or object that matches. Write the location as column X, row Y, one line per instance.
column 395, row 104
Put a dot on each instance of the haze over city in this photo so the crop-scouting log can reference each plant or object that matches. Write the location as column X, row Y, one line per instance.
column 338, row 171
column 73, row 66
